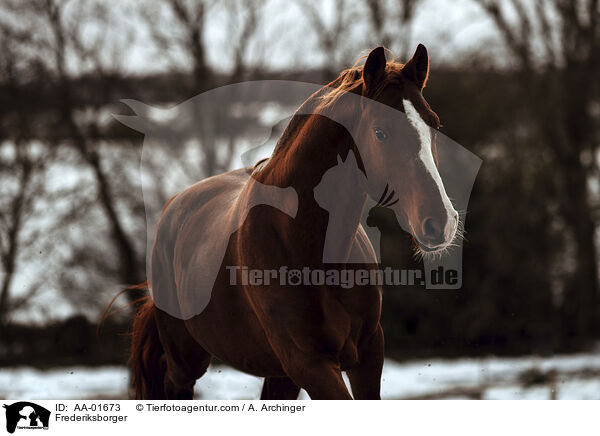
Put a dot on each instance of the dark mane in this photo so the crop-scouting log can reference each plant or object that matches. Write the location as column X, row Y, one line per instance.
column 349, row 80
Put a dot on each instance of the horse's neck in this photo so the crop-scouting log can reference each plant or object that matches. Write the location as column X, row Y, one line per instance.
column 344, row 219
column 342, row 193
column 301, row 163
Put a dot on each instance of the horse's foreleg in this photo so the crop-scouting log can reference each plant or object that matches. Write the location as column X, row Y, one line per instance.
column 365, row 379
column 320, row 377
column 279, row 388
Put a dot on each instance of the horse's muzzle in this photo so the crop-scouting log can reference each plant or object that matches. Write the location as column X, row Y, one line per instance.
column 436, row 235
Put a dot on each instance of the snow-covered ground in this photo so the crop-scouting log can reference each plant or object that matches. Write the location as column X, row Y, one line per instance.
column 577, row 377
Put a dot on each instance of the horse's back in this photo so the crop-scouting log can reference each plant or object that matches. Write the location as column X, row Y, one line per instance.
column 223, row 188
column 193, row 225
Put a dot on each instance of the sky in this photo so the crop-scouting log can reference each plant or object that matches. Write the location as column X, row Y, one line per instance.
column 449, row 29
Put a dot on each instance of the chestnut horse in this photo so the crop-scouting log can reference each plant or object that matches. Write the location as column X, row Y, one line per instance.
column 296, row 336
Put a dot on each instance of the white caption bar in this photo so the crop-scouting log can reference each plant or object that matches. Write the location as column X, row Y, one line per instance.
column 299, row 417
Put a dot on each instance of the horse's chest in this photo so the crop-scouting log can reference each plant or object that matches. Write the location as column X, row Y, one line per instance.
column 363, row 311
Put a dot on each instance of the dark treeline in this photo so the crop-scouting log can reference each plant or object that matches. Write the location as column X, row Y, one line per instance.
column 530, row 276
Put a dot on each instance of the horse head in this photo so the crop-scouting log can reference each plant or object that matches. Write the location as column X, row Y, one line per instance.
column 395, row 131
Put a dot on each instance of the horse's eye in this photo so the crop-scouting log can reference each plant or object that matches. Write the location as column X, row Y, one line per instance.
column 380, row 134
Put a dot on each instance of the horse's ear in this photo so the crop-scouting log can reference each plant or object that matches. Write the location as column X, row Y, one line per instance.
column 374, row 68
column 417, row 68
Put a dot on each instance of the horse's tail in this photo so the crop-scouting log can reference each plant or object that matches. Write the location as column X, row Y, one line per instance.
column 147, row 368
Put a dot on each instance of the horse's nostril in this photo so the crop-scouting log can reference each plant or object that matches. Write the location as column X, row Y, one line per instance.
column 432, row 229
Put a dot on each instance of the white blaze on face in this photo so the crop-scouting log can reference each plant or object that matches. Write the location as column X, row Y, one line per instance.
column 426, row 157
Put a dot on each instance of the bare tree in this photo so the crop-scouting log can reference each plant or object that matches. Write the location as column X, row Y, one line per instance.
column 556, row 46
column 12, row 224
column 190, row 21
column 60, row 41
column 244, row 22
column 184, row 36
column 19, row 167
column 391, row 24
column 83, row 141
column 331, row 36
